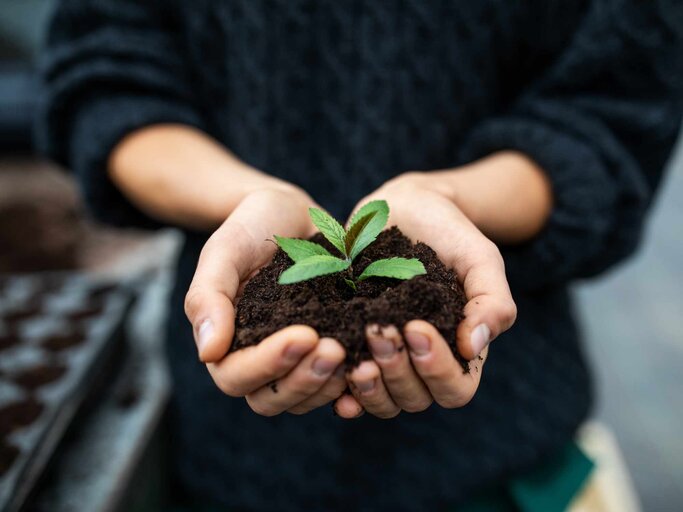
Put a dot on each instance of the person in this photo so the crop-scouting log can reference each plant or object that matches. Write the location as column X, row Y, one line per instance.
column 526, row 134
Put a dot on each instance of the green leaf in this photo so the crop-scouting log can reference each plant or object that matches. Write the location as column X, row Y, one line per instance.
column 329, row 227
column 313, row 266
column 355, row 230
column 371, row 228
column 398, row 268
column 300, row 249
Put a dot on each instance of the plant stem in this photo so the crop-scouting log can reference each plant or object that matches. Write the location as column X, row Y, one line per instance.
column 351, row 283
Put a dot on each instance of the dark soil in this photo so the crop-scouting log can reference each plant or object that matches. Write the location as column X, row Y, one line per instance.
column 8, row 454
column 8, row 340
column 19, row 414
column 38, row 376
column 334, row 310
column 92, row 308
column 59, row 342
column 28, row 310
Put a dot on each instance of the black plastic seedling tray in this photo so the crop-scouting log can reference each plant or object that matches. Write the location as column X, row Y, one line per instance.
column 60, row 335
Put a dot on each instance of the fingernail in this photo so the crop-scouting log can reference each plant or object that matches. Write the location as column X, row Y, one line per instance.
column 323, row 367
column 419, row 343
column 480, row 338
column 382, row 349
column 366, row 386
column 294, row 352
column 204, row 334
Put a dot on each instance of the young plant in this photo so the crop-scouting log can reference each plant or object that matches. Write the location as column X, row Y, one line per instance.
column 313, row 260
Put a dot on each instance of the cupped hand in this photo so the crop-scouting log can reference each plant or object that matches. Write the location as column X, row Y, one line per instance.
column 410, row 380
column 293, row 369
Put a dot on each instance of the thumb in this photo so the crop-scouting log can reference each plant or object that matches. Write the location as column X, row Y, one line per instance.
column 209, row 303
column 490, row 309
column 213, row 322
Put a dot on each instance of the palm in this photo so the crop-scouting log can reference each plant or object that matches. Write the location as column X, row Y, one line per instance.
column 400, row 381
column 300, row 361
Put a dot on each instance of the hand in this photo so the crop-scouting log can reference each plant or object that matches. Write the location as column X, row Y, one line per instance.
column 304, row 365
column 412, row 379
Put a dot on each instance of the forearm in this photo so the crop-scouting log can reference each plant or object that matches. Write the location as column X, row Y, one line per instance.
column 179, row 175
column 506, row 195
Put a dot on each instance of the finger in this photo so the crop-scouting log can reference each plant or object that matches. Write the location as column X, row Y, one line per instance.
column 477, row 364
column 347, row 407
column 369, row 390
column 435, row 364
column 250, row 368
column 404, row 385
column 304, row 380
column 490, row 309
column 212, row 315
column 331, row 390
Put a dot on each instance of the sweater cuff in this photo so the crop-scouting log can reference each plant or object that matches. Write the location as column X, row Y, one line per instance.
column 584, row 200
column 98, row 126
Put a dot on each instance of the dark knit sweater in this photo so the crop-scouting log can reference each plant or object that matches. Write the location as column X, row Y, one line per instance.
column 338, row 96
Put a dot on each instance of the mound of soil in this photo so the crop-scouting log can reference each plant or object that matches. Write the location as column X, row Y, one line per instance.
column 335, row 310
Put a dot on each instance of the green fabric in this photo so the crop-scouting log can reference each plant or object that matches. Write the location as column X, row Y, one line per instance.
column 549, row 487
column 552, row 486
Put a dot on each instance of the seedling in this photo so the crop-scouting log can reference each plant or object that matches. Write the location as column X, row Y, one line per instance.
column 313, row 260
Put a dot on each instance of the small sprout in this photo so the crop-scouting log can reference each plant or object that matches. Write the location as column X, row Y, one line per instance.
column 313, row 260
column 351, row 283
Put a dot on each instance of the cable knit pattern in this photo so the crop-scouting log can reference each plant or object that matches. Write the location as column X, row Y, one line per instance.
column 600, row 120
column 338, row 96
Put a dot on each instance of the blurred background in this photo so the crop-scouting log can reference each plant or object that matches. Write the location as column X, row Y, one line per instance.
column 83, row 382
column 632, row 318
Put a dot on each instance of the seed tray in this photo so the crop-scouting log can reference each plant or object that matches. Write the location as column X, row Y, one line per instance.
column 60, row 335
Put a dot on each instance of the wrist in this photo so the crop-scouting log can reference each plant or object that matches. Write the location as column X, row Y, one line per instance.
column 461, row 186
column 506, row 195
column 229, row 185
column 453, row 184
column 180, row 175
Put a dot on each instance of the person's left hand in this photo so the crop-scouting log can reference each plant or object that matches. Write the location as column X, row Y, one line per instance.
column 427, row 372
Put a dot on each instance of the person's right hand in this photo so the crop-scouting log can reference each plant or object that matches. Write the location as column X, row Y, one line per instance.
column 306, row 368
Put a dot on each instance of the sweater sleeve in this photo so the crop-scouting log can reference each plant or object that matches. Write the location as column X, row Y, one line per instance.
column 601, row 121
column 110, row 67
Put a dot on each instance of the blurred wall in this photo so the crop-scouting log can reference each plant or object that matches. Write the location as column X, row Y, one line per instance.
column 21, row 27
column 633, row 322
column 22, row 24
